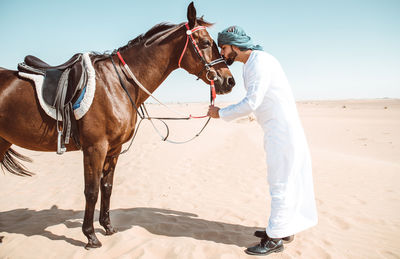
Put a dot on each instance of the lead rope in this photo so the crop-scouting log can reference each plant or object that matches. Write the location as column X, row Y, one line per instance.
column 212, row 101
column 144, row 112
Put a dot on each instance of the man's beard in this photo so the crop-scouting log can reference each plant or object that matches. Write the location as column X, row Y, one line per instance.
column 231, row 58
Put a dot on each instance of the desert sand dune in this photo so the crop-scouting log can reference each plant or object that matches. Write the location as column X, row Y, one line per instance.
column 204, row 199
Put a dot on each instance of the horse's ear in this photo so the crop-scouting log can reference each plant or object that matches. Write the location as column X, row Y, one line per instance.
column 191, row 15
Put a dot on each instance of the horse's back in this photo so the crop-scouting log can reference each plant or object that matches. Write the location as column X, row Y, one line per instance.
column 12, row 86
column 10, row 78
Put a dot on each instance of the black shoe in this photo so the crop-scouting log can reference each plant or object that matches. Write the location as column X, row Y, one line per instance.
column 266, row 246
column 263, row 234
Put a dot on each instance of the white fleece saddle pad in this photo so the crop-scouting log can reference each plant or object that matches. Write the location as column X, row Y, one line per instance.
column 87, row 99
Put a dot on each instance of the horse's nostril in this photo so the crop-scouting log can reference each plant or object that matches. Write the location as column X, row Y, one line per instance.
column 231, row 81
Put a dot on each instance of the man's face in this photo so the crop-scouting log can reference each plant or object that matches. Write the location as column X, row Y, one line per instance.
column 228, row 53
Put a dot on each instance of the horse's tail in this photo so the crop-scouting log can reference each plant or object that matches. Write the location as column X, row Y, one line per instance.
column 12, row 165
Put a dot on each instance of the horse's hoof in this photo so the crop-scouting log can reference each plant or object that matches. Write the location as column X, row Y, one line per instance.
column 93, row 244
column 110, row 231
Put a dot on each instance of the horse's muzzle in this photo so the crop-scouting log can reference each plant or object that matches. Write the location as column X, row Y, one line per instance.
column 224, row 85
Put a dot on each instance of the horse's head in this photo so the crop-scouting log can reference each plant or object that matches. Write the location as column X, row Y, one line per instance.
column 201, row 56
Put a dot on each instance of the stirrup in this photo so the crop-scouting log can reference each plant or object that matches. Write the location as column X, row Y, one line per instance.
column 60, row 146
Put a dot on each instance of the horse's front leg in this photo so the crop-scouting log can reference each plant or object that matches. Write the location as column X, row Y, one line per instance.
column 93, row 157
column 106, row 185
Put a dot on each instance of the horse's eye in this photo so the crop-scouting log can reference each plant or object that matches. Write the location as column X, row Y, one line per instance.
column 205, row 44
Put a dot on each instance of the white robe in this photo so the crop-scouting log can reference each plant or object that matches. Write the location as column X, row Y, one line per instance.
column 290, row 181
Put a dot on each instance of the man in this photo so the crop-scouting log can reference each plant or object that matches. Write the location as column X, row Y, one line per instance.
column 270, row 98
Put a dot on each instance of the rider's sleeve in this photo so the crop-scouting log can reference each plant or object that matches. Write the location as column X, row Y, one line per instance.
column 257, row 78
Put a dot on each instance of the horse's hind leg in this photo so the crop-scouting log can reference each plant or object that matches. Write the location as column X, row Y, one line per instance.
column 106, row 185
column 93, row 157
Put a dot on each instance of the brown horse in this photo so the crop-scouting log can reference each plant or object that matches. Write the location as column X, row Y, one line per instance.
column 110, row 121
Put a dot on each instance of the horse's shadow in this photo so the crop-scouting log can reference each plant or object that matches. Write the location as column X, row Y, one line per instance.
column 157, row 221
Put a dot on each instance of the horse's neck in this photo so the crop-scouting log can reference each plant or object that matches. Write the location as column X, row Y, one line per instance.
column 151, row 65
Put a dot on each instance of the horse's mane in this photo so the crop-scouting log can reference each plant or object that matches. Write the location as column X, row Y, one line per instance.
column 143, row 38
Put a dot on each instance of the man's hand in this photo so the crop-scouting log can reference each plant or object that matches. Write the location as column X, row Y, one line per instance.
column 213, row 111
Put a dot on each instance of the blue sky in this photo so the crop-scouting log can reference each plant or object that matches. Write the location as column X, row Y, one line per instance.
column 328, row 49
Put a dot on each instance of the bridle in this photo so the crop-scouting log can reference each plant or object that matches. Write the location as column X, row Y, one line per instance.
column 142, row 111
column 207, row 66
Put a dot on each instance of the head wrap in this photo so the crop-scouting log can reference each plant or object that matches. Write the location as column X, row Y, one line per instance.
column 236, row 36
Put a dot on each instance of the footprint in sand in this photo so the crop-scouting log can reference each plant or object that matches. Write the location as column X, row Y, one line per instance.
column 389, row 254
column 298, row 253
column 326, row 242
column 318, row 251
column 322, row 253
column 361, row 202
column 341, row 223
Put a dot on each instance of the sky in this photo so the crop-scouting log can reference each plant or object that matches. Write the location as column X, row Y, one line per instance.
column 329, row 50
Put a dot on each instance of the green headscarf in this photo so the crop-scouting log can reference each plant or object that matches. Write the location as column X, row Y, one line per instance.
column 236, row 36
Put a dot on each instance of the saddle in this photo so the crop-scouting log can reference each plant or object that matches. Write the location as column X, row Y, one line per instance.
column 40, row 64
column 61, row 87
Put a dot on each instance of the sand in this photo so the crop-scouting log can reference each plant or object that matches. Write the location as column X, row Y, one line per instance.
column 204, row 199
